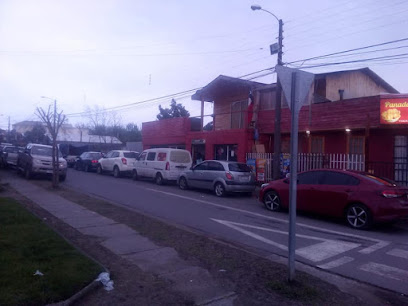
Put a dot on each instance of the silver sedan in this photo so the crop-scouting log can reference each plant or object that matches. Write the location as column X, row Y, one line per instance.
column 220, row 176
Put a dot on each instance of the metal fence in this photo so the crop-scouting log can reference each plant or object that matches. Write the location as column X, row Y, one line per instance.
column 309, row 161
column 397, row 172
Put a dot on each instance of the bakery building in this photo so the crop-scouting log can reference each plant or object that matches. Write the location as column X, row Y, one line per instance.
column 353, row 112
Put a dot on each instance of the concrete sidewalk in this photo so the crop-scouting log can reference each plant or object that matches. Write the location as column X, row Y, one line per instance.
column 192, row 281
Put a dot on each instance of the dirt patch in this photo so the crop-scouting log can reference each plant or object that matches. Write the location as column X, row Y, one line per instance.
column 257, row 281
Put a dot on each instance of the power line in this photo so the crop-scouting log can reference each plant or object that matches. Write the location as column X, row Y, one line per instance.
column 397, row 56
column 350, row 50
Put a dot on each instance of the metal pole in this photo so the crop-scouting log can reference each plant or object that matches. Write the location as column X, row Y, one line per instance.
column 277, row 132
column 293, row 180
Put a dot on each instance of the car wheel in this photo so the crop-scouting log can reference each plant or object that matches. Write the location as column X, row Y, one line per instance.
column 219, row 190
column 183, row 183
column 358, row 216
column 27, row 173
column 99, row 169
column 135, row 177
column 86, row 168
column 62, row 178
column 159, row 179
column 116, row 172
column 272, row 201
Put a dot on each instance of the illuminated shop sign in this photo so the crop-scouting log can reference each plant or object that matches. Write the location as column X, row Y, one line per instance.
column 394, row 111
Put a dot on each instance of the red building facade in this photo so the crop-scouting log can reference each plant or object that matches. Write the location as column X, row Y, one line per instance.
column 373, row 125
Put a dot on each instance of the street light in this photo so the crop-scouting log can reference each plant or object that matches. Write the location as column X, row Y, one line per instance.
column 277, row 133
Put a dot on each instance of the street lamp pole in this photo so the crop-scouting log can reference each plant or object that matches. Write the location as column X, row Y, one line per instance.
column 277, row 132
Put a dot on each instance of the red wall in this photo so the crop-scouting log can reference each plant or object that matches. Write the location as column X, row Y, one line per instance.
column 241, row 137
column 165, row 132
column 327, row 116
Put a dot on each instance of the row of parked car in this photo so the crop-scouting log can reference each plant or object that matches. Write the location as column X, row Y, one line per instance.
column 362, row 199
column 34, row 159
column 165, row 164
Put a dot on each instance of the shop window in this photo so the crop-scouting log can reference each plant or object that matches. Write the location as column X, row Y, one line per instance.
column 316, row 144
column 356, row 145
column 226, row 152
column 238, row 114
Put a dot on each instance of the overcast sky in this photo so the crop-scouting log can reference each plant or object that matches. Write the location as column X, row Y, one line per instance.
column 113, row 53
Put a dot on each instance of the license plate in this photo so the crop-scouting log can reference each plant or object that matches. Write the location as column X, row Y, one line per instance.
column 244, row 178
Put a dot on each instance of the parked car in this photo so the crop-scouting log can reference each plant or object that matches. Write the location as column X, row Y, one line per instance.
column 9, row 156
column 117, row 162
column 88, row 161
column 361, row 198
column 3, row 154
column 71, row 160
column 220, row 176
column 37, row 159
column 162, row 164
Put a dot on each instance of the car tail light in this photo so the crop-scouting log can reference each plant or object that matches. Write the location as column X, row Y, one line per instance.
column 229, row 175
column 393, row 193
column 167, row 166
column 94, row 161
column 124, row 161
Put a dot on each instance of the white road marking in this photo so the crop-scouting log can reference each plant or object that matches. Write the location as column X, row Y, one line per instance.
column 325, row 250
column 385, row 271
column 379, row 244
column 316, row 252
column 398, row 253
column 253, row 235
column 374, row 247
column 336, row 263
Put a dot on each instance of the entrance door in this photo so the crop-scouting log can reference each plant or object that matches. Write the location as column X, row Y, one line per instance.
column 198, row 153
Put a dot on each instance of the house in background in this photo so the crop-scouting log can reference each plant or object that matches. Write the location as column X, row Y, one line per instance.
column 72, row 140
column 350, row 112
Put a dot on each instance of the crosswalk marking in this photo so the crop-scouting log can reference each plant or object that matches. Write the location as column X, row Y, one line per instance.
column 385, row 271
column 398, row 253
column 326, row 249
column 336, row 263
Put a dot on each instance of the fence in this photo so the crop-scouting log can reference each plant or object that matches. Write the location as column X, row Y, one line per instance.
column 309, row 161
column 397, row 172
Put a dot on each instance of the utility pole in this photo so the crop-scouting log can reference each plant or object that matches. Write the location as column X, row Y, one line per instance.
column 278, row 98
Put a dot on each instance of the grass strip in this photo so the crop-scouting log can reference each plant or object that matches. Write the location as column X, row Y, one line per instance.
column 28, row 245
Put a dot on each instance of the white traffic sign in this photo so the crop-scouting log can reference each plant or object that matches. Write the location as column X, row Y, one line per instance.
column 304, row 81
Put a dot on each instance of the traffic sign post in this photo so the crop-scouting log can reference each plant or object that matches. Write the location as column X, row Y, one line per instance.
column 296, row 84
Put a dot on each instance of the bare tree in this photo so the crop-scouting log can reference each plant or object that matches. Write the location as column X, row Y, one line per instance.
column 103, row 123
column 54, row 121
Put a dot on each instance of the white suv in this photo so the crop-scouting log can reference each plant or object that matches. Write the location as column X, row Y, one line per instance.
column 118, row 162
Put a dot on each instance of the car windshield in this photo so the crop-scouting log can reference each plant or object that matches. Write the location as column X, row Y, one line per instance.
column 239, row 167
column 43, row 151
column 378, row 180
column 180, row 156
column 95, row 155
column 130, row 154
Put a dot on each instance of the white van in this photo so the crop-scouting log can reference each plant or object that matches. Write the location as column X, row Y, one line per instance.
column 162, row 164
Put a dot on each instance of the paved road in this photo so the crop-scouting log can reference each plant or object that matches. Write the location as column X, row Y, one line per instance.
column 379, row 256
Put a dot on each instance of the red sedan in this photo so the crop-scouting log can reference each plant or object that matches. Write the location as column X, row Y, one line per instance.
column 361, row 198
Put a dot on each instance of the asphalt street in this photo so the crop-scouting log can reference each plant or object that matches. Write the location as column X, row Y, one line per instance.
column 378, row 256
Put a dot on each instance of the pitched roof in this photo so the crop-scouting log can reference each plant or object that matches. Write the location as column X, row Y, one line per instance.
column 222, row 85
column 367, row 71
